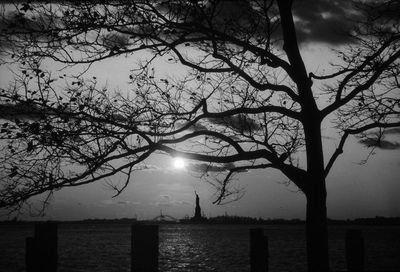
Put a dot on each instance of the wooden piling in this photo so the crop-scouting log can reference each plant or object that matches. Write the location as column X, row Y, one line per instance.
column 258, row 251
column 41, row 250
column 144, row 247
column 30, row 255
column 354, row 250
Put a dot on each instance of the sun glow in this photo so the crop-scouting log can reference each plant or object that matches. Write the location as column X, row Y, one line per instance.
column 179, row 163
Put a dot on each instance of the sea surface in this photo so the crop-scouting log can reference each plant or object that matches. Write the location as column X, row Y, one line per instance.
column 205, row 248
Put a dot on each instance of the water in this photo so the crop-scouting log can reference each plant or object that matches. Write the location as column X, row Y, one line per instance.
column 205, row 248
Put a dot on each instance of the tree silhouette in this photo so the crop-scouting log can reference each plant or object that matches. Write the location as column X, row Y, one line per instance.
column 246, row 102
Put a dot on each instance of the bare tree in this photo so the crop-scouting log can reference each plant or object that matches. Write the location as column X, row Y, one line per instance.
column 247, row 101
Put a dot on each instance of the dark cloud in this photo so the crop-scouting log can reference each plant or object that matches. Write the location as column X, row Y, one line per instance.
column 15, row 24
column 382, row 144
column 387, row 11
column 20, row 110
column 316, row 20
column 327, row 21
column 332, row 21
column 206, row 167
column 324, row 20
column 194, row 127
column 239, row 122
column 393, row 131
column 239, row 13
column 115, row 41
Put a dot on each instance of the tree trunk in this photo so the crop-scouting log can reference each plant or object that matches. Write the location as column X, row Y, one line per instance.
column 314, row 186
column 316, row 213
column 316, row 230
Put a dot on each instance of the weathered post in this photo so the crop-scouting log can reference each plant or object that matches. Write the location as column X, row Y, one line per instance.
column 30, row 255
column 144, row 247
column 354, row 250
column 41, row 250
column 258, row 251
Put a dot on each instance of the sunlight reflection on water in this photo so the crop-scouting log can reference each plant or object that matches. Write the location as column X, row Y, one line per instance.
column 197, row 248
column 205, row 248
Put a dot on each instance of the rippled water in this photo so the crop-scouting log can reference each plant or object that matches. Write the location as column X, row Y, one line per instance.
column 106, row 247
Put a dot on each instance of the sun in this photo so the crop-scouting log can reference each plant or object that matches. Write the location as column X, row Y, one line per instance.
column 179, row 163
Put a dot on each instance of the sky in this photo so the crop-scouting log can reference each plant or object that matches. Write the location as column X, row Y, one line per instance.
column 354, row 189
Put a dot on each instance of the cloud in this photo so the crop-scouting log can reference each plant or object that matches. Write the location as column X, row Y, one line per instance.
column 24, row 111
column 316, row 20
column 166, row 197
column 14, row 22
column 392, row 131
column 164, row 201
column 206, row 167
column 115, row 41
column 382, row 144
column 194, row 127
column 168, row 201
column 324, row 20
column 163, row 204
column 119, row 202
column 239, row 122
column 123, row 202
column 377, row 139
column 148, row 167
column 327, row 21
column 183, row 202
column 387, row 11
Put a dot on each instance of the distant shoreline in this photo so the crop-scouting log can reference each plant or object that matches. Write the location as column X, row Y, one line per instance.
column 222, row 220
